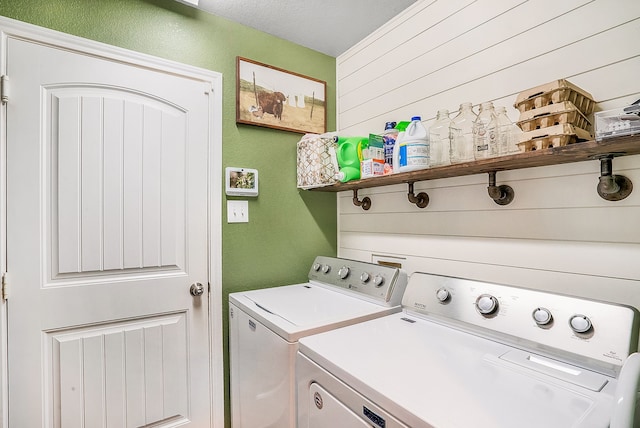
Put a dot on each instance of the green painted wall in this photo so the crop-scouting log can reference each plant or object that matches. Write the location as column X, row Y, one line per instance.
column 287, row 227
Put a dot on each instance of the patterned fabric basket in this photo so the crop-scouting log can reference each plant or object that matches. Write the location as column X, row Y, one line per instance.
column 317, row 162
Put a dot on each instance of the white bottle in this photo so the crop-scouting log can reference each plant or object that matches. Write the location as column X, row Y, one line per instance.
column 411, row 151
column 389, row 138
column 439, row 142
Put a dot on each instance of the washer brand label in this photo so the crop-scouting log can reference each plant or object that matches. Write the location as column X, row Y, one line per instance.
column 252, row 325
column 612, row 355
column 317, row 398
column 376, row 419
column 420, row 305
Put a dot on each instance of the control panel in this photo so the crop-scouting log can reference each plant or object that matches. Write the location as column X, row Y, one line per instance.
column 382, row 283
column 598, row 334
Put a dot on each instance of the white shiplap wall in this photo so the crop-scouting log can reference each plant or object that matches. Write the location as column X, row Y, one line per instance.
column 557, row 234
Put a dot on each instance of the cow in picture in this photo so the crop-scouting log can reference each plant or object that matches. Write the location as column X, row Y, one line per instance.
column 272, row 103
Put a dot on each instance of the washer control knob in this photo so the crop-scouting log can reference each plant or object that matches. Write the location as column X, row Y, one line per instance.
column 378, row 280
column 365, row 277
column 580, row 323
column 326, row 269
column 316, row 266
column 443, row 295
column 486, row 304
column 343, row 272
column 542, row 316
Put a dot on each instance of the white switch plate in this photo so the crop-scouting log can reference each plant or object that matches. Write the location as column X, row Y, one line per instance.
column 237, row 211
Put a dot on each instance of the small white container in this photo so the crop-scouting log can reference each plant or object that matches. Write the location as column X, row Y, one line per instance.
column 616, row 123
column 371, row 168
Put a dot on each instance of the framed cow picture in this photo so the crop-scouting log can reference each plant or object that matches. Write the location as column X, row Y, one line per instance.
column 275, row 98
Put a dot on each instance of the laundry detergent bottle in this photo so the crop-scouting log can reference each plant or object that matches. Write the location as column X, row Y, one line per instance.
column 411, row 151
column 349, row 154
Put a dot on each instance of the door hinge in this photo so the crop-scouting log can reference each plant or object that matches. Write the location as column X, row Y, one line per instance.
column 5, row 286
column 4, row 89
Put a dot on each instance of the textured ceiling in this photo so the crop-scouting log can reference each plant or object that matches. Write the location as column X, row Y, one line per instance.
column 327, row 26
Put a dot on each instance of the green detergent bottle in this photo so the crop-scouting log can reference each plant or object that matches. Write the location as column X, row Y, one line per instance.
column 349, row 154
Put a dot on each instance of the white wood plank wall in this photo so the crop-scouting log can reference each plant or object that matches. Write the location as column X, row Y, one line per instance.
column 557, row 234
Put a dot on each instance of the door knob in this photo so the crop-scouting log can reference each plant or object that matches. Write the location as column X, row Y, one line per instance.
column 196, row 289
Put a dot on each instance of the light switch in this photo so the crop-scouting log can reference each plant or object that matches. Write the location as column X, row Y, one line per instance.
column 237, row 211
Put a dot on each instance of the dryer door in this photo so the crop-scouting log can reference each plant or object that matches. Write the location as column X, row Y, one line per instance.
column 326, row 411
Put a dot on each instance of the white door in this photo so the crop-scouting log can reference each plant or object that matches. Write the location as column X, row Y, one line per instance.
column 106, row 231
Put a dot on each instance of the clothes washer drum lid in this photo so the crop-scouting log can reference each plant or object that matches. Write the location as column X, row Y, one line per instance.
column 308, row 305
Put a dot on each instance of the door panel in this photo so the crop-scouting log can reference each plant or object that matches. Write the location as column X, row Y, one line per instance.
column 116, row 164
column 262, row 375
column 97, row 369
column 106, row 230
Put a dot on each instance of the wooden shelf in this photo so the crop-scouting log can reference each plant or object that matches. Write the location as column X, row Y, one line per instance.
column 578, row 152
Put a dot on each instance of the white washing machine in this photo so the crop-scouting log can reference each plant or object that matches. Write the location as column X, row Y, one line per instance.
column 467, row 354
column 266, row 324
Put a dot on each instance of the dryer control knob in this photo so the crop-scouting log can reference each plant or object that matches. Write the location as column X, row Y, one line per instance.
column 326, row 269
column 365, row 277
column 343, row 272
column 443, row 295
column 378, row 280
column 542, row 316
column 580, row 323
column 316, row 266
column 486, row 304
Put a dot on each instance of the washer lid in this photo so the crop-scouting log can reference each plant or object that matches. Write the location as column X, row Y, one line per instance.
column 427, row 374
column 297, row 310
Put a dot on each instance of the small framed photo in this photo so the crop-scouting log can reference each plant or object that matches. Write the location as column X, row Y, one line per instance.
column 271, row 97
column 241, row 181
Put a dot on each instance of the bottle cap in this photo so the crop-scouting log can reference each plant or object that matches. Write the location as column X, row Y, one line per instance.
column 389, row 125
column 416, row 118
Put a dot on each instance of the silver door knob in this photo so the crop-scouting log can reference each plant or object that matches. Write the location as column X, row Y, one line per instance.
column 196, row 289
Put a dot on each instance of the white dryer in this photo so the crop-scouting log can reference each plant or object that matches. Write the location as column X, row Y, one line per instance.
column 467, row 353
column 266, row 324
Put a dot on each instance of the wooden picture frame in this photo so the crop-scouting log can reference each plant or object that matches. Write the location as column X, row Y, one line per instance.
column 271, row 97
